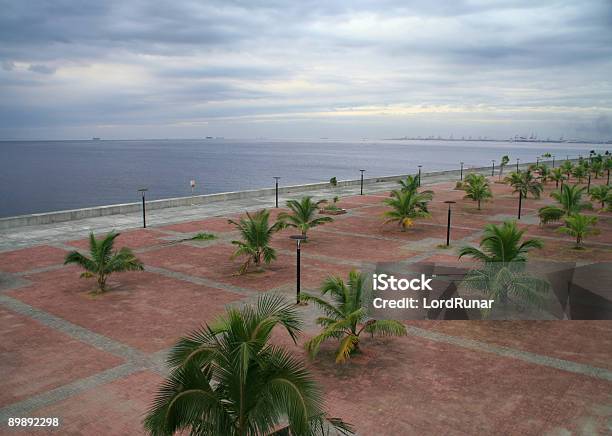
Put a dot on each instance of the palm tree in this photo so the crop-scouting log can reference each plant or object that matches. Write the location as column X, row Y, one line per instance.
column 504, row 254
column 227, row 379
column 410, row 184
column 256, row 234
column 477, row 188
column 570, row 199
column 597, row 167
column 568, row 167
column 579, row 226
column 525, row 183
column 407, row 205
column 544, row 172
column 104, row 261
column 346, row 317
column 600, row 193
column 557, row 175
column 502, row 163
column 580, row 172
column 302, row 215
column 502, row 243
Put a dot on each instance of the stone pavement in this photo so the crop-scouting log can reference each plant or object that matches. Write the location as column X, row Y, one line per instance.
column 96, row 361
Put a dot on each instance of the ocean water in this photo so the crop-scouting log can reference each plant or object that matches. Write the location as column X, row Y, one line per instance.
column 41, row 176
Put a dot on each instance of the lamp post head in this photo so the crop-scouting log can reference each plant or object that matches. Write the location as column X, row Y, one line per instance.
column 277, row 178
column 142, row 191
column 363, row 171
column 298, row 239
column 449, row 202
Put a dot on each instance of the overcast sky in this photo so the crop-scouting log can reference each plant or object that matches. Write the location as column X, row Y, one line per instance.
column 305, row 69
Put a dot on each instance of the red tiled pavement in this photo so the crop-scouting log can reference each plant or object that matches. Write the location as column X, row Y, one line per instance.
column 31, row 258
column 35, row 358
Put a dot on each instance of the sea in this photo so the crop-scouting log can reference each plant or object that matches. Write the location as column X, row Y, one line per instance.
column 42, row 176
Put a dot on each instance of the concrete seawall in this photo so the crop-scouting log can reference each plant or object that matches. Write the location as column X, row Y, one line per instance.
column 128, row 208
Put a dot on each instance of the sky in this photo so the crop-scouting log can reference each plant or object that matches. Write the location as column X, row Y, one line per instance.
column 374, row 69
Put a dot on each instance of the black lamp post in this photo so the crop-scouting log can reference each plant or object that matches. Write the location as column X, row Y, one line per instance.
column 517, row 164
column 608, row 182
column 449, row 202
column 538, row 160
column 361, row 190
column 419, row 184
column 298, row 239
column 493, row 168
column 553, row 162
column 144, row 213
column 276, row 178
column 461, row 173
column 520, row 203
column 589, row 184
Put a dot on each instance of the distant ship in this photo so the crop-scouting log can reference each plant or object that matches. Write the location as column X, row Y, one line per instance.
column 95, row 138
column 209, row 137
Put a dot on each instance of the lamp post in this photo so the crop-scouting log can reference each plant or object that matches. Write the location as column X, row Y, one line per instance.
column 517, row 164
column 298, row 239
column 553, row 162
column 520, row 203
column 537, row 160
column 144, row 213
column 361, row 190
column 461, row 173
column 449, row 202
column 276, row 178
column 589, row 184
column 493, row 168
column 419, row 184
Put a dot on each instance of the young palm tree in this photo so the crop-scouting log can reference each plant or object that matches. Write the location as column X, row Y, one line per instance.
column 568, row 167
column 477, row 188
column 579, row 172
column 256, row 234
column 346, row 317
column 502, row 163
column 410, row 184
column 570, row 199
column 227, row 379
column 600, row 193
column 579, row 226
column 104, row 261
column 502, row 243
column 557, row 175
column 407, row 205
column 525, row 183
column 543, row 172
column 597, row 168
column 504, row 254
column 303, row 215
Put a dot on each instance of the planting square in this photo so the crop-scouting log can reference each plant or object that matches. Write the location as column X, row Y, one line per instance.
column 437, row 388
column 35, row 358
column 143, row 309
column 115, row 408
column 31, row 258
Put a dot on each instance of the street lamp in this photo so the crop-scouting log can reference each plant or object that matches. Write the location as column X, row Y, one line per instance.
column 517, row 164
column 449, row 202
column 419, row 185
column 277, row 179
column 493, row 167
column 461, row 173
column 298, row 239
column 520, row 203
column 537, row 160
column 589, row 184
column 361, row 191
column 553, row 162
column 144, row 214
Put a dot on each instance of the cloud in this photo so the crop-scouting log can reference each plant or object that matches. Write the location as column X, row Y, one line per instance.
column 223, row 64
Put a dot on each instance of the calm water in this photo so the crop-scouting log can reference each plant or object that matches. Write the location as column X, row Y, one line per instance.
column 40, row 176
